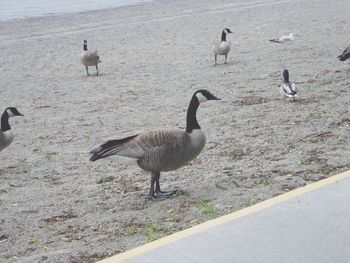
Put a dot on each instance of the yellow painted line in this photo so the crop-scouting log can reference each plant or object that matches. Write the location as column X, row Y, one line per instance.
column 224, row 219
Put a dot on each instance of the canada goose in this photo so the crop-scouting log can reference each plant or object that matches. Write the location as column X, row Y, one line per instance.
column 6, row 134
column 160, row 150
column 89, row 58
column 223, row 47
column 346, row 54
column 288, row 89
column 284, row 39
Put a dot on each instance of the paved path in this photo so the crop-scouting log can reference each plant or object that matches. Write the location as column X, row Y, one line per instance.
column 310, row 224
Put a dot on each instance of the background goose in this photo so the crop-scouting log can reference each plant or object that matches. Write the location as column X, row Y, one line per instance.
column 89, row 58
column 223, row 47
column 6, row 134
column 346, row 54
column 288, row 89
column 163, row 149
column 284, row 39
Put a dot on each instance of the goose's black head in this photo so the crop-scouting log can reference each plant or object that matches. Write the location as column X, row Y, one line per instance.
column 198, row 97
column 85, row 44
column 224, row 32
column 12, row 111
column 204, row 95
column 286, row 75
column 9, row 112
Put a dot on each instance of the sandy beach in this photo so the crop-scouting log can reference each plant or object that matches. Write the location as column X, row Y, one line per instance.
column 56, row 206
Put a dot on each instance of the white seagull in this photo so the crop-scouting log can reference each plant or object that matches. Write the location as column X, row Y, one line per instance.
column 284, row 39
column 288, row 89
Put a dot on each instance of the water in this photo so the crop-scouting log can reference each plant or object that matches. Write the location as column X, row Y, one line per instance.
column 20, row 9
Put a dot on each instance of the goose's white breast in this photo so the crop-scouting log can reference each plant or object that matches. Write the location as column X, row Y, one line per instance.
column 197, row 140
column 6, row 138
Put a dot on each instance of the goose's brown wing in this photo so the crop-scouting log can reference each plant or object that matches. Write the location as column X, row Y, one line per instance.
column 137, row 146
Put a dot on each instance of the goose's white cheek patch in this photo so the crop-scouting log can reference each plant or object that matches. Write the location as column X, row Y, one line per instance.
column 10, row 113
column 201, row 98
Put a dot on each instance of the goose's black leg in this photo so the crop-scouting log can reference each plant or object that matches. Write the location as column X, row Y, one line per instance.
column 153, row 195
column 151, row 190
column 97, row 69
column 226, row 59
column 87, row 71
column 159, row 192
column 216, row 56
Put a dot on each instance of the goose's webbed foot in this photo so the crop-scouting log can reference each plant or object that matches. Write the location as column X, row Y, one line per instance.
column 166, row 193
column 155, row 193
column 160, row 196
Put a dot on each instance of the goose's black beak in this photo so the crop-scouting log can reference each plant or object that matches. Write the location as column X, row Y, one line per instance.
column 215, row 98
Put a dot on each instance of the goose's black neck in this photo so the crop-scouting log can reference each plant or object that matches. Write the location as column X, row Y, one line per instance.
column 223, row 36
column 192, row 122
column 286, row 76
column 85, row 46
column 5, row 126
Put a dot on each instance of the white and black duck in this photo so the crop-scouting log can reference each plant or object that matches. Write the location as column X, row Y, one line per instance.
column 288, row 89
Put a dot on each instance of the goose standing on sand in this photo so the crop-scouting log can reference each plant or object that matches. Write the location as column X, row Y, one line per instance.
column 288, row 89
column 89, row 58
column 6, row 134
column 160, row 150
column 346, row 54
column 284, row 39
column 223, row 47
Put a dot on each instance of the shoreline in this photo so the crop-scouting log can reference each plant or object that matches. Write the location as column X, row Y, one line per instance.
column 48, row 14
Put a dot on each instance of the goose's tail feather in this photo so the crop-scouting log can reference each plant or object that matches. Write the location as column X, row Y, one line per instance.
column 342, row 57
column 109, row 148
column 275, row 40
